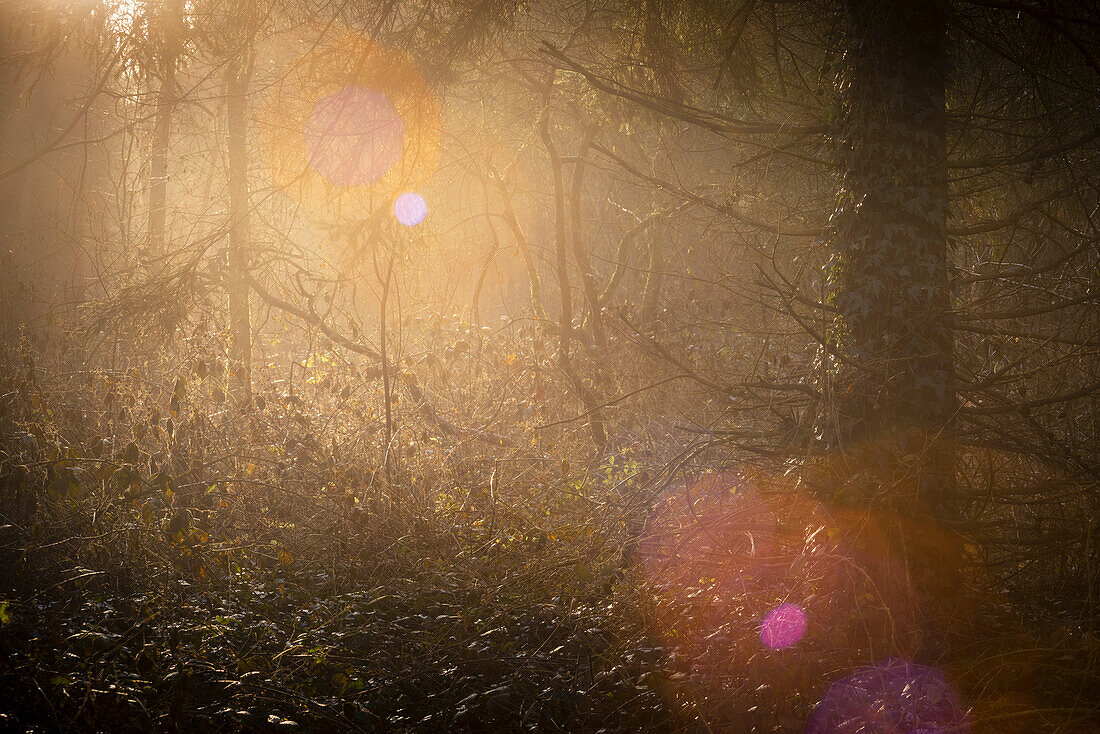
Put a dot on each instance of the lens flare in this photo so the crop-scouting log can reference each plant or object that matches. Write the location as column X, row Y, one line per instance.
column 712, row 525
column 410, row 208
column 354, row 136
column 783, row 627
column 348, row 125
column 720, row 548
column 708, row 552
column 895, row 695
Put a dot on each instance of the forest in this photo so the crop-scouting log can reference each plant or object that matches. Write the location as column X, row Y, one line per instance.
column 685, row 366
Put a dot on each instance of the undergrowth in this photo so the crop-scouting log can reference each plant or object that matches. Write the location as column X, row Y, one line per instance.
column 175, row 563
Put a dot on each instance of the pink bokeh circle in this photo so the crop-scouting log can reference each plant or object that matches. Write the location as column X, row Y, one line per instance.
column 410, row 208
column 783, row 627
column 354, row 136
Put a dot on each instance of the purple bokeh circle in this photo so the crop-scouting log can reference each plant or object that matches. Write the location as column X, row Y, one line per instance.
column 354, row 136
column 783, row 627
column 410, row 208
column 893, row 696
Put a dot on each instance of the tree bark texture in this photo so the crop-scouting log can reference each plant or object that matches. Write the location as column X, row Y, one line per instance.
column 889, row 278
column 891, row 343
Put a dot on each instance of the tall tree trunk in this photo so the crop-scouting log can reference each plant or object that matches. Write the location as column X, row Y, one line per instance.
column 565, row 324
column 892, row 340
column 238, row 72
column 387, row 378
column 889, row 277
column 168, row 19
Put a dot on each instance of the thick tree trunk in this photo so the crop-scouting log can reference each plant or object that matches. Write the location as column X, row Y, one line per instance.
column 240, row 328
column 889, row 280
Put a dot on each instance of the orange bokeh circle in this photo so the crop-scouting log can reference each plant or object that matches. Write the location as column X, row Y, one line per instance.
column 342, row 60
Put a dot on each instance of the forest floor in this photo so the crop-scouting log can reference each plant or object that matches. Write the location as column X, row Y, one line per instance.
column 225, row 589
column 430, row 635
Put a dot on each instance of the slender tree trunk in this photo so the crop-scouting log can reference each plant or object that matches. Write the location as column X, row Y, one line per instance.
column 158, row 169
column 387, row 378
column 659, row 56
column 525, row 250
column 654, row 277
column 565, row 325
column 169, row 19
column 622, row 256
column 240, row 329
column 580, row 246
column 584, row 392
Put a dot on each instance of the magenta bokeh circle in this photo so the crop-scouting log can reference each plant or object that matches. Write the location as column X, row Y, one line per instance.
column 892, row 696
column 783, row 627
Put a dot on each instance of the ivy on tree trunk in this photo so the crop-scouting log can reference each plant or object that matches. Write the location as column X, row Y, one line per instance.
column 889, row 278
column 891, row 341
